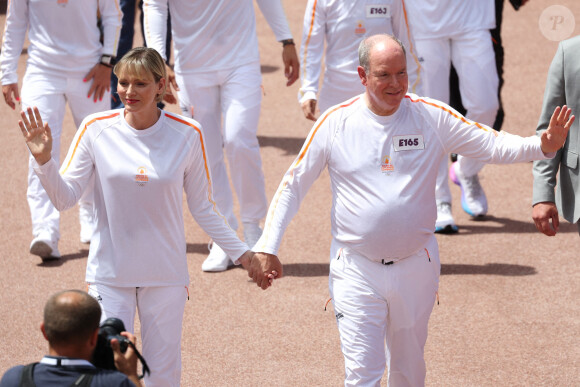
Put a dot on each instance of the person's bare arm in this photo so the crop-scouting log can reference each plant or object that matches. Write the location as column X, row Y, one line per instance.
column 291, row 64
column 11, row 94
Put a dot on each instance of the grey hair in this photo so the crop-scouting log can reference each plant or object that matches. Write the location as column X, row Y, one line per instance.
column 366, row 44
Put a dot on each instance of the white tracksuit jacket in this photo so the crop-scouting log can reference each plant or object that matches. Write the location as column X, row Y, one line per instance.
column 52, row 47
column 140, row 176
column 434, row 19
column 383, row 170
column 342, row 25
column 210, row 36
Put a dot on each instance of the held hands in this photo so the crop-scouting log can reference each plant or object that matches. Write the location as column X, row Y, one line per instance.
column 542, row 213
column 291, row 64
column 37, row 135
column 101, row 77
column 555, row 136
column 262, row 268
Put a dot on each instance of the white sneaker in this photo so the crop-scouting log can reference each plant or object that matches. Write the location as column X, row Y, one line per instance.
column 473, row 198
column 445, row 223
column 87, row 222
column 252, row 233
column 45, row 246
column 217, row 260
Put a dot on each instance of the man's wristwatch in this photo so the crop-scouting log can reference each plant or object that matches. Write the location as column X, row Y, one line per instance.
column 108, row 60
column 286, row 42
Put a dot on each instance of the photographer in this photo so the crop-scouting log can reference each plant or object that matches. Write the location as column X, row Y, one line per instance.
column 71, row 327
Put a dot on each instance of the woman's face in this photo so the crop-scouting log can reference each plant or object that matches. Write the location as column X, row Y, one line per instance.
column 138, row 92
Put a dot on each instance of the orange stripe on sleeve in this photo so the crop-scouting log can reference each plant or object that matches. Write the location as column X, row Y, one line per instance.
column 291, row 170
column 205, row 164
column 459, row 117
column 308, row 38
column 81, row 136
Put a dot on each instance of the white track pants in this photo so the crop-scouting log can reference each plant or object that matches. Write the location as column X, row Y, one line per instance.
column 384, row 306
column 50, row 94
column 233, row 96
column 161, row 317
column 473, row 58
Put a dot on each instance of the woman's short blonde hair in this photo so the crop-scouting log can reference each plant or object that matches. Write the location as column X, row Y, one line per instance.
column 143, row 62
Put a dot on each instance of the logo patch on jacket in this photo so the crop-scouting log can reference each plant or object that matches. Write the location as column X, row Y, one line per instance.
column 141, row 177
column 386, row 166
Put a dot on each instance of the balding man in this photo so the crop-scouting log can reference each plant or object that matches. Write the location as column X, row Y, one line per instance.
column 382, row 150
column 71, row 327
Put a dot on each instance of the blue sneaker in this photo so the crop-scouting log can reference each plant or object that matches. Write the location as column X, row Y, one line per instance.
column 473, row 200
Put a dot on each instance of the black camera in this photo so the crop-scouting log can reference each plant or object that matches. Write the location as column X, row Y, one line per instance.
column 110, row 329
column 103, row 356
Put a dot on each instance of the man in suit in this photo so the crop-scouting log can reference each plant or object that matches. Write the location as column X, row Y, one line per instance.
column 562, row 88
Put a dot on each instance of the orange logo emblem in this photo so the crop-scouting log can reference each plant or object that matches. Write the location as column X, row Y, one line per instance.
column 360, row 28
column 386, row 165
column 141, row 177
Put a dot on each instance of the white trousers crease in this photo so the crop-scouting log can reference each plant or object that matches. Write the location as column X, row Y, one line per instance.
column 382, row 312
column 161, row 316
column 227, row 105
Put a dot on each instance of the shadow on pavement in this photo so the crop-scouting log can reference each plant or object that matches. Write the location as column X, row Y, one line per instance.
column 503, row 269
column 291, row 145
column 493, row 225
column 83, row 253
column 264, row 69
column 197, row 248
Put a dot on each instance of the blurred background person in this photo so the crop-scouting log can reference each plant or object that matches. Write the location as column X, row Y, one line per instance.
column 218, row 81
column 66, row 64
column 334, row 30
column 458, row 32
column 562, row 87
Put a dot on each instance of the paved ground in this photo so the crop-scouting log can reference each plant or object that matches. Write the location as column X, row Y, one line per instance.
column 509, row 313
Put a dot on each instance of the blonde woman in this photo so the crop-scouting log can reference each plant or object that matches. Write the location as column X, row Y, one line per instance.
column 142, row 159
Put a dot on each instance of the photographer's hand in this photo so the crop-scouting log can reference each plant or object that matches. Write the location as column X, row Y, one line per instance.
column 126, row 362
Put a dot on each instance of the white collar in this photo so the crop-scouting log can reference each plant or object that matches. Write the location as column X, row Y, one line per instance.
column 64, row 361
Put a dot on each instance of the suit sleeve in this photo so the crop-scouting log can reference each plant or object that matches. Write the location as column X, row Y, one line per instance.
column 303, row 172
column 111, row 17
column 544, row 171
column 312, row 49
column 403, row 32
column 13, row 40
column 155, row 25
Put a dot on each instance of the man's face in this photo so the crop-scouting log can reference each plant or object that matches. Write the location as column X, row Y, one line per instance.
column 386, row 81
